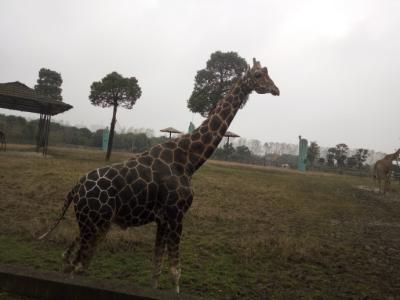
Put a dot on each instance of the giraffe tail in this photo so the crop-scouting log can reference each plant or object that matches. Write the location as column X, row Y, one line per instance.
column 67, row 203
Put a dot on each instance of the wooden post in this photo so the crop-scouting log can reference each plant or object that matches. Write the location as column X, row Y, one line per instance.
column 46, row 135
column 42, row 138
column 39, row 134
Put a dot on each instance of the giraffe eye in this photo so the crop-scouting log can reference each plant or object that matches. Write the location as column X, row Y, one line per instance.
column 257, row 75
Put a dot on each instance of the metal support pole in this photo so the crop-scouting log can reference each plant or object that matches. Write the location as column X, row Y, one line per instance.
column 43, row 138
column 39, row 134
column 46, row 134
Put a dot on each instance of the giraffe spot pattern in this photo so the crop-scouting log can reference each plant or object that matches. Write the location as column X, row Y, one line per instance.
column 184, row 144
column 155, row 151
column 180, row 156
column 167, row 156
column 215, row 123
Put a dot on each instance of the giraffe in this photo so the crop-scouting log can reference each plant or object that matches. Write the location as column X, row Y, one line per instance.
column 382, row 170
column 154, row 186
column 3, row 141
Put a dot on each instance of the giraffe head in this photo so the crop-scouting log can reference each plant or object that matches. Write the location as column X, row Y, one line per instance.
column 260, row 80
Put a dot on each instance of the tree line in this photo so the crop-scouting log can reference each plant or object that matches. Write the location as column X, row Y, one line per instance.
column 22, row 131
column 339, row 157
column 336, row 157
column 253, row 152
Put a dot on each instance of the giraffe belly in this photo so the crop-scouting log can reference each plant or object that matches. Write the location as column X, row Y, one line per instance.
column 135, row 211
column 136, row 204
column 124, row 223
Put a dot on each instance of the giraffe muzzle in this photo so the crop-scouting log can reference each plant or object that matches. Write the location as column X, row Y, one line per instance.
column 275, row 91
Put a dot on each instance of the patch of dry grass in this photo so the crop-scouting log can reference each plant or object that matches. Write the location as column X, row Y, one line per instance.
column 251, row 233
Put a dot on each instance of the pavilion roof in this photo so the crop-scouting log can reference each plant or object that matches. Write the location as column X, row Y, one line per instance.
column 18, row 96
column 231, row 134
column 170, row 129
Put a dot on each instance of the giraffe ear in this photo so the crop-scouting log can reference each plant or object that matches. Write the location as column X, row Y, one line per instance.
column 256, row 63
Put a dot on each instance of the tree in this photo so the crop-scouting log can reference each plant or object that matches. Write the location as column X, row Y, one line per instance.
column 228, row 149
column 267, row 148
column 114, row 90
column 243, row 151
column 351, row 161
column 213, row 82
column 312, row 153
column 341, row 154
column 140, row 142
column 255, row 146
column 330, row 157
column 360, row 157
column 49, row 84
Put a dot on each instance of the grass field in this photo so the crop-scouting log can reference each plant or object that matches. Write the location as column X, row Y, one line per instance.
column 251, row 233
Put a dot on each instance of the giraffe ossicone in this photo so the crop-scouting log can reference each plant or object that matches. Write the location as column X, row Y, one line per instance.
column 155, row 186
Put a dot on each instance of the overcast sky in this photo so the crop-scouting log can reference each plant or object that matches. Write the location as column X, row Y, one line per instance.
column 336, row 63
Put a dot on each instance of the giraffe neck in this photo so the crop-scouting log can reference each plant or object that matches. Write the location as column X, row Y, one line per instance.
column 393, row 156
column 206, row 138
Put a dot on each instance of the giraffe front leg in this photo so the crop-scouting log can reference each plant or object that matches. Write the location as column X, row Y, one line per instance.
column 174, row 238
column 159, row 249
column 178, row 202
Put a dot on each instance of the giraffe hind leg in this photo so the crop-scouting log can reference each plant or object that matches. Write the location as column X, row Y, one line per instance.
column 89, row 238
column 68, row 256
column 159, row 250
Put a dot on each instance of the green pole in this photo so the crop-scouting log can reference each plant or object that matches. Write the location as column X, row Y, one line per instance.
column 106, row 135
column 191, row 127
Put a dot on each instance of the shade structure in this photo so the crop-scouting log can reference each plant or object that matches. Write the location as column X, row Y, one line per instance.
column 230, row 134
column 170, row 130
column 18, row 96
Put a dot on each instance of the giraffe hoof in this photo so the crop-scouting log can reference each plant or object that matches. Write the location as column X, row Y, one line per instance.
column 65, row 258
column 79, row 270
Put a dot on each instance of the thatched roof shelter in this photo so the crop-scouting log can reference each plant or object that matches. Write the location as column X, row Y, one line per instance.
column 170, row 130
column 229, row 134
column 18, row 96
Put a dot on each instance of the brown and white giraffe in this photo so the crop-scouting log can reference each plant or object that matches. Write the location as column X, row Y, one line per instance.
column 154, row 186
column 382, row 169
